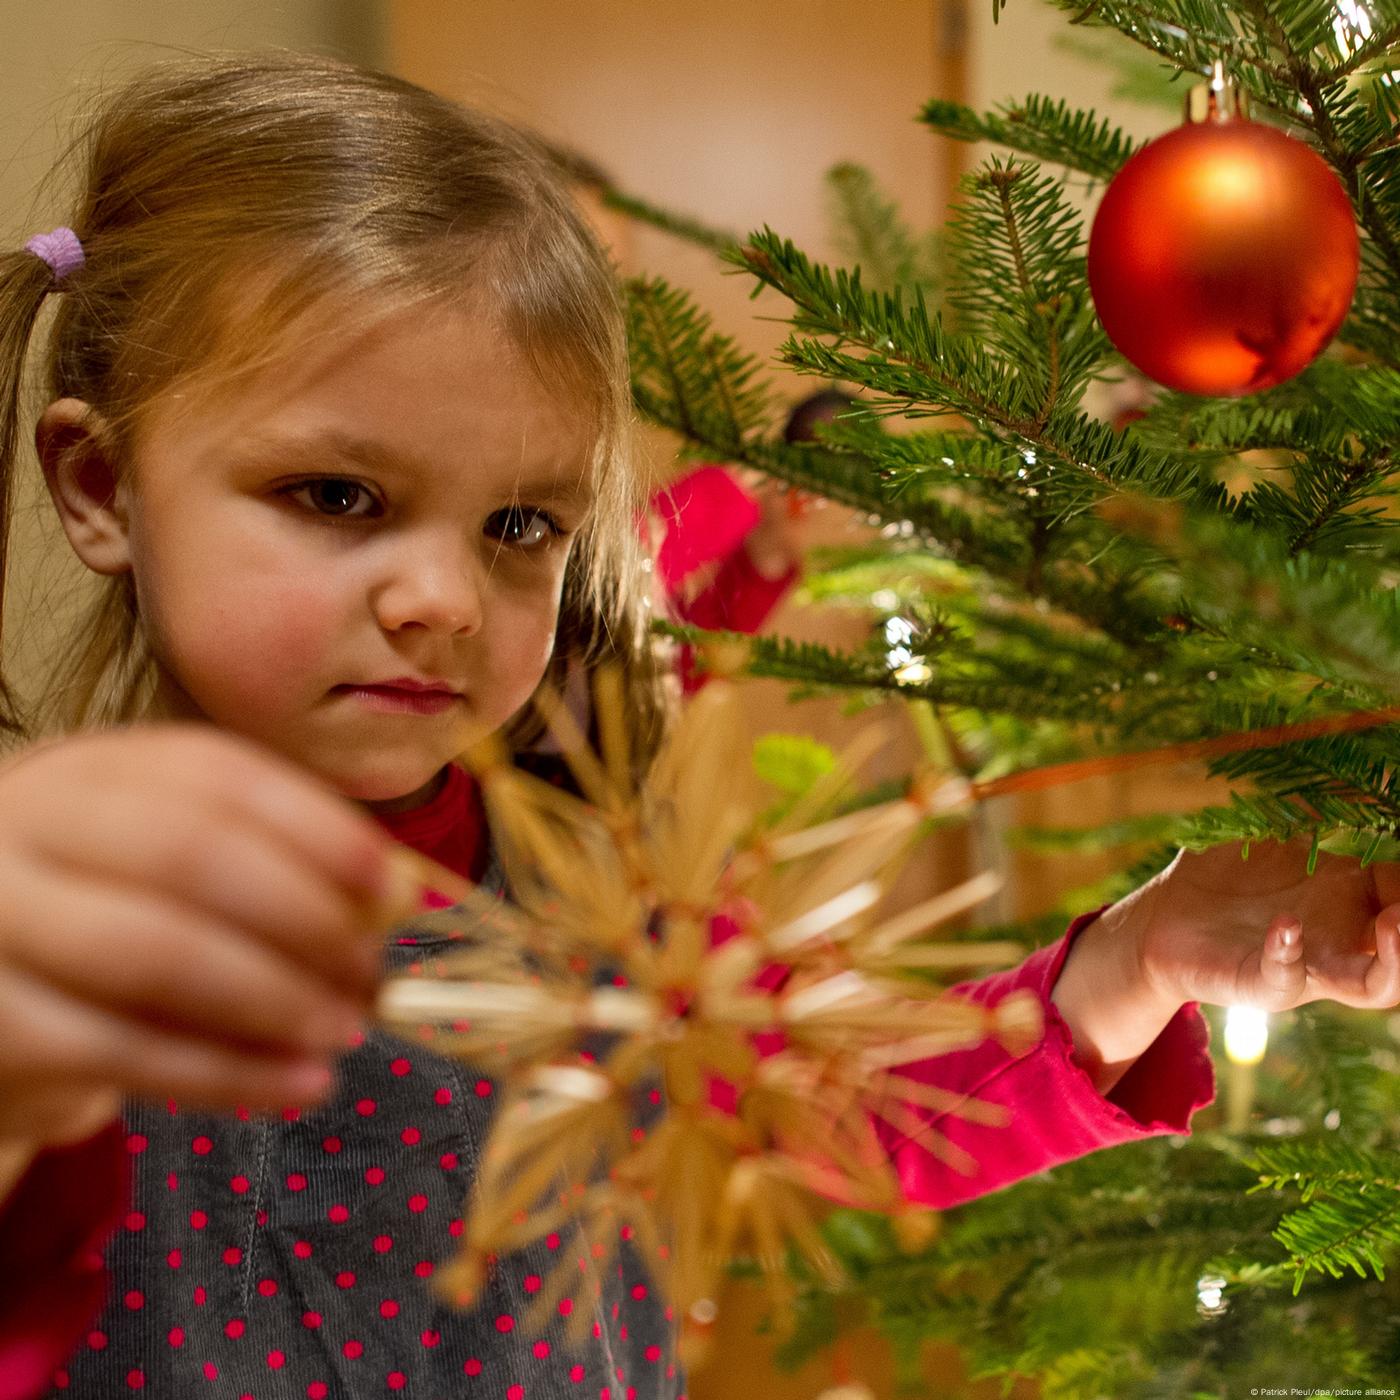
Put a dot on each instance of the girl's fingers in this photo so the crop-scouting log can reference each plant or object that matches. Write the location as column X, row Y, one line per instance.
column 297, row 811
column 1282, row 967
column 216, row 863
column 180, row 772
column 1368, row 980
column 51, row 1115
column 55, row 1040
column 245, row 879
column 1388, row 919
column 1382, row 979
column 167, row 964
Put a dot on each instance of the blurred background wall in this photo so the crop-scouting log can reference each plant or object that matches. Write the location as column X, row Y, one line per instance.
column 732, row 110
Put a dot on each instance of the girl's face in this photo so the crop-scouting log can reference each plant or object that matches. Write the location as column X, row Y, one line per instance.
column 398, row 505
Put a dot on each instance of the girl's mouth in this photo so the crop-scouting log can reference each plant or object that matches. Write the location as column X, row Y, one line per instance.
column 388, row 700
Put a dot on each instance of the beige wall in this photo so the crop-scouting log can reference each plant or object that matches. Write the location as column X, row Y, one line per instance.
column 49, row 56
column 723, row 108
column 47, row 52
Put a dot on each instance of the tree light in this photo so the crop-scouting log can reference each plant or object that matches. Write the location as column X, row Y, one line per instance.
column 1210, row 1295
column 1351, row 26
column 1246, row 1034
column 1246, row 1037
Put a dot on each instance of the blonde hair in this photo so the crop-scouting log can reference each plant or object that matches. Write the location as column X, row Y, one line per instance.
column 232, row 205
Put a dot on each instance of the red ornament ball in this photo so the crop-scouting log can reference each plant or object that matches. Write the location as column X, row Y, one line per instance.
column 1223, row 257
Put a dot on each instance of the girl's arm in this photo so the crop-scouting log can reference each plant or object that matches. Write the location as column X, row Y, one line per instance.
column 1124, row 1053
column 1111, row 1009
column 1055, row 1110
column 54, row 1223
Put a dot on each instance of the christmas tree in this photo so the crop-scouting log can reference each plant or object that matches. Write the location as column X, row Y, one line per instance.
column 1214, row 574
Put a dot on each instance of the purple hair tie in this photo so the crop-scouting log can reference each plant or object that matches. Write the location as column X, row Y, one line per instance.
column 60, row 249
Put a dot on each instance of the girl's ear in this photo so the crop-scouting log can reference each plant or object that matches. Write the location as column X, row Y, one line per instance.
column 82, row 476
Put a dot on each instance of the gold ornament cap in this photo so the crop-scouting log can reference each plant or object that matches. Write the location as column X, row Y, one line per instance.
column 1218, row 99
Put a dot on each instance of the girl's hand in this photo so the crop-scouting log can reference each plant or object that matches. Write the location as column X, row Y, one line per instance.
column 774, row 545
column 1217, row 929
column 183, row 914
column 1263, row 932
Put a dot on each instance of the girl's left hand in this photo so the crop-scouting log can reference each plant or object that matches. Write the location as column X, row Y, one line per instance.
column 1263, row 932
column 1214, row 928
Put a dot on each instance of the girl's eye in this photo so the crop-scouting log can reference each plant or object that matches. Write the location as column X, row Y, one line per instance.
column 523, row 527
column 339, row 495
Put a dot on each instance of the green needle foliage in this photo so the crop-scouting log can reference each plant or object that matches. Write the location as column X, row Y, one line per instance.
column 1217, row 606
column 1055, row 586
column 1170, row 1267
column 1039, row 127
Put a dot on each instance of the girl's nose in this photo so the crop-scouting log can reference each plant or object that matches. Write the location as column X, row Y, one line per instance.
column 437, row 589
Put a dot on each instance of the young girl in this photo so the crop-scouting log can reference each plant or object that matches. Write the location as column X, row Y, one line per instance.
column 337, row 408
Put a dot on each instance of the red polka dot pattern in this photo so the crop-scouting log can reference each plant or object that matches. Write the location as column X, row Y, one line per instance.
column 288, row 1255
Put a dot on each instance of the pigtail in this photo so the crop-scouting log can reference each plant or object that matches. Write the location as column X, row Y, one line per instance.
column 25, row 281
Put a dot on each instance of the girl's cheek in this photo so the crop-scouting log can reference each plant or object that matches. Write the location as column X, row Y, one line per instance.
column 524, row 643
column 263, row 643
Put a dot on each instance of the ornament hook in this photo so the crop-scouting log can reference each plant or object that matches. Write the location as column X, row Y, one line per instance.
column 1219, row 99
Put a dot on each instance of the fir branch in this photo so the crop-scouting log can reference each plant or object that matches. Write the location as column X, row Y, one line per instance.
column 1189, row 34
column 1351, row 1213
column 1110, row 1253
column 1349, row 780
column 1373, row 325
column 873, row 235
column 868, row 576
column 682, row 226
column 1330, row 410
column 1041, row 127
column 912, row 464
column 986, row 539
column 917, row 367
column 1330, row 496
column 1384, row 112
column 1263, row 817
column 711, row 390
column 1383, row 38
column 1320, row 1165
column 1022, row 287
column 1337, row 618
column 1110, row 598
column 926, row 364
column 1334, row 1077
column 812, row 665
column 1318, row 95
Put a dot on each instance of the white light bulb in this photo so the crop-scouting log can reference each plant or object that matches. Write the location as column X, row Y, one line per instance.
column 1246, row 1034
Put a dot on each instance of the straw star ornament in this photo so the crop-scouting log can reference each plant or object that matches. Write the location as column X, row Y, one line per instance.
column 660, row 949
